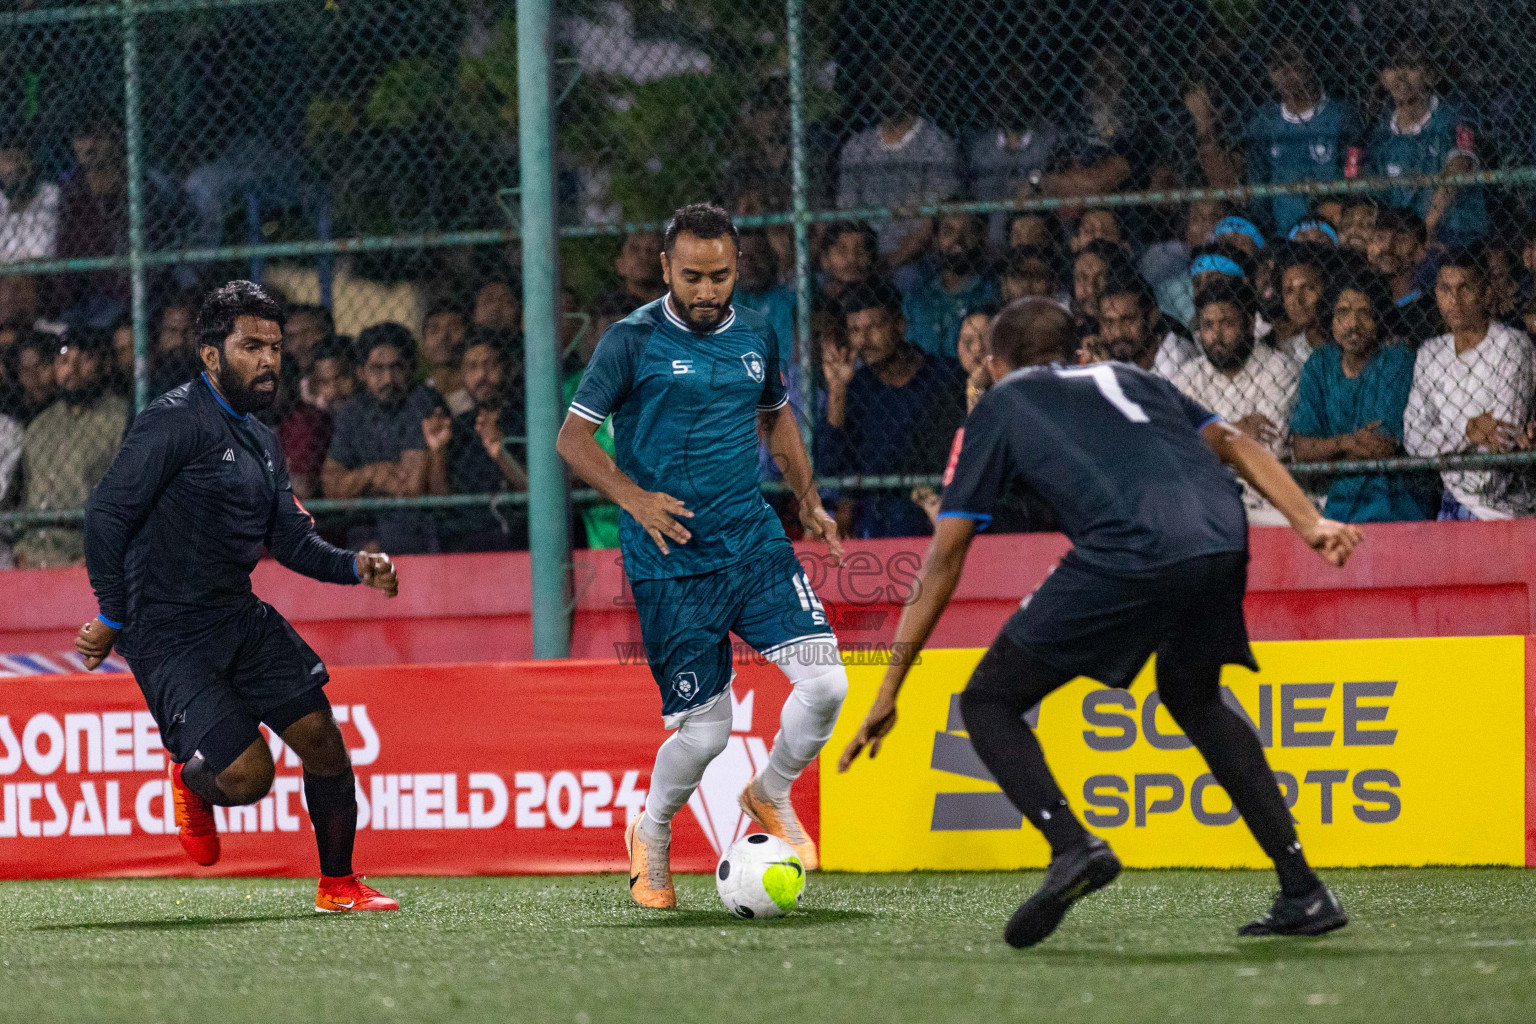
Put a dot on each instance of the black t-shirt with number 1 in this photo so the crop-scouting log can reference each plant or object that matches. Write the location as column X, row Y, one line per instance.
column 1114, row 451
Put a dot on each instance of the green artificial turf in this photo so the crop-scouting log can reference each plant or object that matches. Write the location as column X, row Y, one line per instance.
column 1437, row 945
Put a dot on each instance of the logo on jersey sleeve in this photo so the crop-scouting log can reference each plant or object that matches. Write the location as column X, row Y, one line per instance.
column 754, row 366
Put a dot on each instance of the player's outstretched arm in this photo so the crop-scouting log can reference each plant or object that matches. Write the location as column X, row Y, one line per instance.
column 293, row 542
column 1256, row 464
column 655, row 511
column 941, row 573
column 787, row 449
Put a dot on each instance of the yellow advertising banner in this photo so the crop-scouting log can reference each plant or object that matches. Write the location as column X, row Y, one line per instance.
column 1389, row 752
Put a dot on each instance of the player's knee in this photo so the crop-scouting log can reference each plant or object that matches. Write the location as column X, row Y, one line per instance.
column 706, row 735
column 975, row 704
column 246, row 782
column 321, row 747
column 816, row 671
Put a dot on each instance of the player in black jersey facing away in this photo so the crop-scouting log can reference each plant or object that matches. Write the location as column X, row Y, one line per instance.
column 172, row 532
column 1133, row 471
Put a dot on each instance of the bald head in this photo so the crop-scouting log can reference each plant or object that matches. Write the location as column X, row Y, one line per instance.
column 1032, row 332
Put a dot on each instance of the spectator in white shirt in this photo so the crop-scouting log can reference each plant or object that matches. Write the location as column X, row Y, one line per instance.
column 29, row 206
column 10, row 457
column 902, row 161
column 1248, row 384
column 1133, row 330
column 1471, row 391
column 1304, row 275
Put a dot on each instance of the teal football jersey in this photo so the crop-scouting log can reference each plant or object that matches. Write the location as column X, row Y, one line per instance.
column 685, row 410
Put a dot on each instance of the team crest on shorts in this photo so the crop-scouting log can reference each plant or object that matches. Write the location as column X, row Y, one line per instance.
column 686, row 684
column 754, row 364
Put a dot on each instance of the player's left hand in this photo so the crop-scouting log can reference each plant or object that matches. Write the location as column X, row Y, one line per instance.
column 822, row 526
column 877, row 725
column 94, row 642
column 378, row 572
column 1333, row 540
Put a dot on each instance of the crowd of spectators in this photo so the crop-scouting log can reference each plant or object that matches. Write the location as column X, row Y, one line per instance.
column 1365, row 327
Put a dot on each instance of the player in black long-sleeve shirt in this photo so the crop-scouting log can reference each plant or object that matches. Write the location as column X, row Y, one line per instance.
column 1133, row 471
column 172, row 533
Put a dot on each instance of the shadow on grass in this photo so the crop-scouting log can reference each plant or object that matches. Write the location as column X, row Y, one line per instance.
column 168, row 924
column 716, row 918
column 1260, row 951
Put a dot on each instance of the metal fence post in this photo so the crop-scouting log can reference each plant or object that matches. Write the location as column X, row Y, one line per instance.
column 549, row 505
column 799, row 204
column 134, row 148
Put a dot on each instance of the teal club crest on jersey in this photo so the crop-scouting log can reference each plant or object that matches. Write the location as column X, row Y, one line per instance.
column 754, row 365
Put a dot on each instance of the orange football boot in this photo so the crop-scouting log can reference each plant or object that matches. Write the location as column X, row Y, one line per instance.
column 194, row 821
column 650, row 870
column 779, row 819
column 350, row 893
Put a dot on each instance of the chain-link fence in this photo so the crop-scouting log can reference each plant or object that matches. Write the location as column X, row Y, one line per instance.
column 1350, row 184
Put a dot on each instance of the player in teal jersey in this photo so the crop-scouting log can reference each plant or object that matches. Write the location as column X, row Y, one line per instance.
column 689, row 380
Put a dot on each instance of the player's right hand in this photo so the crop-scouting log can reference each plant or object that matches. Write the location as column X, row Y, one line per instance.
column 872, row 732
column 655, row 512
column 1333, row 540
column 94, row 642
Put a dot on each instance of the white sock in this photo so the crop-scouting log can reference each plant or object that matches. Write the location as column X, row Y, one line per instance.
column 820, row 683
column 680, row 764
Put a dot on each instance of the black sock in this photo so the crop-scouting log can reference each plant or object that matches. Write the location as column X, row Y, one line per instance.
column 1237, row 760
column 204, row 781
column 332, row 803
column 1006, row 684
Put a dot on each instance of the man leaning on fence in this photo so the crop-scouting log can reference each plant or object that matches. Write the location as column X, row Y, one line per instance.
column 1472, row 393
column 68, row 447
column 1350, row 406
column 895, row 413
column 378, row 450
column 1248, row 384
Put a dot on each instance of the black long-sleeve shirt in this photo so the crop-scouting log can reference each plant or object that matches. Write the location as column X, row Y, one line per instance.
column 175, row 527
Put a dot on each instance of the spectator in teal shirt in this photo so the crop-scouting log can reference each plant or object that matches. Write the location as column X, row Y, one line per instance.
column 959, row 279
column 1306, row 136
column 761, row 286
column 1423, row 134
column 1350, row 406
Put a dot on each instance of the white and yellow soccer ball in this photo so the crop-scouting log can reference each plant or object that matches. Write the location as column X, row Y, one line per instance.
column 760, row 876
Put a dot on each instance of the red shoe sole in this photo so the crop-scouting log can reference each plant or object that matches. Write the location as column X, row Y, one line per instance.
column 204, row 850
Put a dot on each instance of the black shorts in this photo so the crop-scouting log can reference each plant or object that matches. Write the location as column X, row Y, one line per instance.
column 1086, row 622
column 251, row 667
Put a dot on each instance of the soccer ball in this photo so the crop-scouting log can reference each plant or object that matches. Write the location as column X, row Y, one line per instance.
column 760, row 876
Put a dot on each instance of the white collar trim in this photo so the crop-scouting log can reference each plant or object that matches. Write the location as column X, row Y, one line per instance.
column 1305, row 117
column 1418, row 126
column 901, row 143
column 679, row 322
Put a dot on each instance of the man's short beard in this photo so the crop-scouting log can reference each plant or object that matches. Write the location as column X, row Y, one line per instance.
column 686, row 314
column 85, row 394
column 242, row 397
column 1234, row 359
column 967, row 261
column 1130, row 351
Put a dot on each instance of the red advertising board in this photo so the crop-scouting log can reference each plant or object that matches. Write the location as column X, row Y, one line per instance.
column 461, row 769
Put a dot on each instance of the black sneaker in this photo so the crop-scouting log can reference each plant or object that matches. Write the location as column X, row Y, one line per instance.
column 1313, row 914
column 1071, row 876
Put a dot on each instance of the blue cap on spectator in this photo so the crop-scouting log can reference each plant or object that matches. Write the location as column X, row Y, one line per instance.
column 1313, row 224
column 1224, row 265
column 1238, row 226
